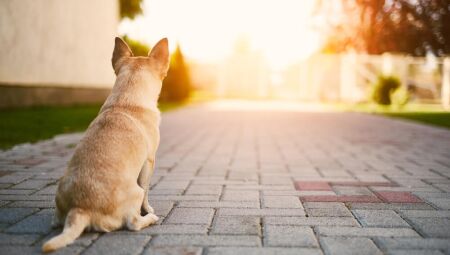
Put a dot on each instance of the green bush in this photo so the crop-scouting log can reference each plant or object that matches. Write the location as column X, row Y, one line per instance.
column 384, row 89
column 138, row 48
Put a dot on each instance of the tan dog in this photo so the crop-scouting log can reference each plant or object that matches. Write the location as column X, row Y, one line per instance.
column 106, row 183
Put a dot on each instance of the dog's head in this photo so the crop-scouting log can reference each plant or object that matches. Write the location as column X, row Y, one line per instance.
column 157, row 61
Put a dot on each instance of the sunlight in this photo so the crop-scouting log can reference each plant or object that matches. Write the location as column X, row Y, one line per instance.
column 268, row 105
column 207, row 29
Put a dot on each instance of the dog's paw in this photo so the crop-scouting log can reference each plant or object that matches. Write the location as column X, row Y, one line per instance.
column 148, row 209
column 153, row 216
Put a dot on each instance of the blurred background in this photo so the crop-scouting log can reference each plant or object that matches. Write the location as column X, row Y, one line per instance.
column 388, row 56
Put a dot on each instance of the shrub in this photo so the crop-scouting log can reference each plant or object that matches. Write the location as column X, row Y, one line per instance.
column 384, row 89
column 138, row 48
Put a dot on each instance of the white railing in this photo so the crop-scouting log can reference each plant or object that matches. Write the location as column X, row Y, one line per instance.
column 341, row 77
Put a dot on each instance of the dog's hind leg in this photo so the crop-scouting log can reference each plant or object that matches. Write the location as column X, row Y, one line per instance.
column 144, row 182
column 139, row 222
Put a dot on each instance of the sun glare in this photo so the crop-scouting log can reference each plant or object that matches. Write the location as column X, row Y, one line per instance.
column 207, row 30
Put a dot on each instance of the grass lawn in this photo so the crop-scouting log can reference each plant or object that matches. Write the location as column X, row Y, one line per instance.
column 22, row 125
column 423, row 113
column 441, row 119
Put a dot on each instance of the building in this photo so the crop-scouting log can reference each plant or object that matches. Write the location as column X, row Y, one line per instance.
column 56, row 52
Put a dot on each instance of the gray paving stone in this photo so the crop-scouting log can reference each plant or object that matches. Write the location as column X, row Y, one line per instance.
column 118, row 244
column 27, row 197
column 366, row 232
column 379, row 218
column 274, row 180
column 432, row 227
column 12, row 239
column 191, row 216
column 348, row 246
column 413, row 243
column 175, row 229
column 49, row 190
column 239, row 175
column 297, row 193
column 162, row 208
column 32, row 184
column 265, row 188
column 352, row 191
column 5, row 185
column 281, row 202
column 205, row 240
column 172, row 251
column 414, row 252
column 237, row 225
column 425, row 213
column 204, row 190
column 262, row 251
column 37, row 223
column 441, row 203
column 34, row 250
column 32, row 204
column 329, row 212
column 14, row 178
column 312, row 221
column 240, row 195
column 16, row 191
column 289, row 236
column 261, row 212
column 240, row 152
column 166, row 192
column 328, row 205
column 184, row 198
column 224, row 182
column 220, row 204
column 12, row 215
column 171, row 185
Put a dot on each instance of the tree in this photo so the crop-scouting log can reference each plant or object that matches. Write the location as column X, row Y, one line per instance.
column 130, row 8
column 378, row 26
column 177, row 85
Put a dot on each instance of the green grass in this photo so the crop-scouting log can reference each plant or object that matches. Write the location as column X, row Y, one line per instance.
column 21, row 125
column 431, row 114
column 441, row 119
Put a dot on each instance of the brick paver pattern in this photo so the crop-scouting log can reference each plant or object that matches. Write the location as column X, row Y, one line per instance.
column 258, row 182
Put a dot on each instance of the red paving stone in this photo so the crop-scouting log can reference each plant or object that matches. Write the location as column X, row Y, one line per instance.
column 302, row 185
column 397, row 197
column 364, row 184
column 330, row 198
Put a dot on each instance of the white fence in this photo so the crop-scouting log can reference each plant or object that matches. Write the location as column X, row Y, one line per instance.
column 346, row 77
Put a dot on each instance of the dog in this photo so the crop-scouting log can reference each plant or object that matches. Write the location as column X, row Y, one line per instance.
column 105, row 186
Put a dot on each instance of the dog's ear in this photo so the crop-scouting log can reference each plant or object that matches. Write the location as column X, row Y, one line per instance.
column 160, row 52
column 121, row 50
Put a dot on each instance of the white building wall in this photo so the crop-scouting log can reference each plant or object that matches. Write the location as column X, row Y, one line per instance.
column 64, row 43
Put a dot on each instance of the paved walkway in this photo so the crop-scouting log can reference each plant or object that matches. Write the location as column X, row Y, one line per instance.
column 258, row 182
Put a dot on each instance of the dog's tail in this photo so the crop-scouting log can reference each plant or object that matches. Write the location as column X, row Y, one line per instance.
column 77, row 220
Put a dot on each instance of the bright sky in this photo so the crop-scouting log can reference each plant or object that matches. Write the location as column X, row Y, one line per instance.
column 208, row 29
